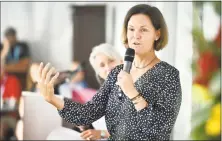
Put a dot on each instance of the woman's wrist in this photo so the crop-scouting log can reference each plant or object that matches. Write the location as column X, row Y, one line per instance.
column 57, row 102
column 132, row 93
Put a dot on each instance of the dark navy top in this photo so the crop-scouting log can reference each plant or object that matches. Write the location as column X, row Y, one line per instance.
column 159, row 86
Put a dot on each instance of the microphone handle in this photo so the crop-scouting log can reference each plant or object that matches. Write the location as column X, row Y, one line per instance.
column 127, row 67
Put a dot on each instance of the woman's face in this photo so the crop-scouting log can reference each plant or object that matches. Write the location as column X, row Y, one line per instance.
column 141, row 34
column 105, row 64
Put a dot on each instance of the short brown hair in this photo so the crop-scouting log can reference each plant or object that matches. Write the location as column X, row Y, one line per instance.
column 157, row 20
column 10, row 31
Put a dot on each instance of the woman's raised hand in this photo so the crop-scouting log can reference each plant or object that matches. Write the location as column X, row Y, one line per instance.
column 46, row 81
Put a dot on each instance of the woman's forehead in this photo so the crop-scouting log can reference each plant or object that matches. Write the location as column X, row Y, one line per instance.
column 102, row 56
column 140, row 20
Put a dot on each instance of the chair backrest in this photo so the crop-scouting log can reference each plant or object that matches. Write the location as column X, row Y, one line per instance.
column 40, row 117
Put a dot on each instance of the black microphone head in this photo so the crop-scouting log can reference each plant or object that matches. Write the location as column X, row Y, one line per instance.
column 129, row 55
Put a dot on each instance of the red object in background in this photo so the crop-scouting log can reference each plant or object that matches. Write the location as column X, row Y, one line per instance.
column 201, row 80
column 12, row 87
column 218, row 38
column 83, row 95
column 207, row 64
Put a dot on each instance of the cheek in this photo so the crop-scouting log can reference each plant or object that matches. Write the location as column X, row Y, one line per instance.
column 129, row 36
column 101, row 70
column 102, row 74
column 116, row 63
column 148, row 39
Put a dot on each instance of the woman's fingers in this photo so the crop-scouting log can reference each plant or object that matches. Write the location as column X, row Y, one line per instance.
column 49, row 74
column 52, row 81
column 45, row 71
column 86, row 134
column 45, row 82
column 90, row 137
column 40, row 72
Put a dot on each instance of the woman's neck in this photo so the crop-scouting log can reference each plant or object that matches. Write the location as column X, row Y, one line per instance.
column 143, row 60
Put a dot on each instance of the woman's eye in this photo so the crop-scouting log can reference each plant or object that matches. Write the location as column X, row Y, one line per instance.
column 102, row 65
column 110, row 61
column 130, row 29
column 144, row 30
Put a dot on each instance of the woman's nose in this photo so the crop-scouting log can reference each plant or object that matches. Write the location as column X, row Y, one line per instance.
column 137, row 34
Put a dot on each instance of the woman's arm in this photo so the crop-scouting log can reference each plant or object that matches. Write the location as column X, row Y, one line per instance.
column 85, row 114
column 57, row 102
column 138, row 101
column 71, row 111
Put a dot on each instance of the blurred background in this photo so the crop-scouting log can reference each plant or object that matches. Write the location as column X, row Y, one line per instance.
column 64, row 33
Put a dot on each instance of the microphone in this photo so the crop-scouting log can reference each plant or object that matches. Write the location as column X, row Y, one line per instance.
column 128, row 60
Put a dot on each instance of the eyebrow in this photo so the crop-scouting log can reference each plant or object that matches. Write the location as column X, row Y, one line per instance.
column 141, row 26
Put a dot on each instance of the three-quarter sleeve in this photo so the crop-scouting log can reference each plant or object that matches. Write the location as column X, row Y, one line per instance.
column 156, row 121
column 85, row 114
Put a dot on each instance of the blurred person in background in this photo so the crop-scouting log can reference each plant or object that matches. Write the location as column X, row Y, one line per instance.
column 10, row 95
column 103, row 59
column 10, row 88
column 16, row 52
column 76, row 83
column 32, row 77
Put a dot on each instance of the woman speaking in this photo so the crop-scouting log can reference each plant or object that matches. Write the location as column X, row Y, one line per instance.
column 152, row 90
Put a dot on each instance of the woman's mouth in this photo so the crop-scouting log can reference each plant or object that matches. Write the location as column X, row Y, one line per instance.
column 136, row 44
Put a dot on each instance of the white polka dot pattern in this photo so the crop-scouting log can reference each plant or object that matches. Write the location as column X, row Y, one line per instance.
column 159, row 86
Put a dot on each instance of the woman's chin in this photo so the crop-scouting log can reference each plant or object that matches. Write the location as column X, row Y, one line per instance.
column 138, row 51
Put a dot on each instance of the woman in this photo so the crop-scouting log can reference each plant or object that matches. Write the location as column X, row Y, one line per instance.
column 103, row 59
column 152, row 90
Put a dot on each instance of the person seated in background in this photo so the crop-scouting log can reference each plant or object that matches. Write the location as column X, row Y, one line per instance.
column 10, row 89
column 103, row 59
column 10, row 94
column 77, row 81
column 32, row 77
column 16, row 52
column 79, row 78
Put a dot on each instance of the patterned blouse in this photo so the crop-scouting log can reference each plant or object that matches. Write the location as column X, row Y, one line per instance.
column 159, row 86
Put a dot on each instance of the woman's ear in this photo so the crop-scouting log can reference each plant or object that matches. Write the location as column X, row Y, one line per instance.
column 157, row 34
